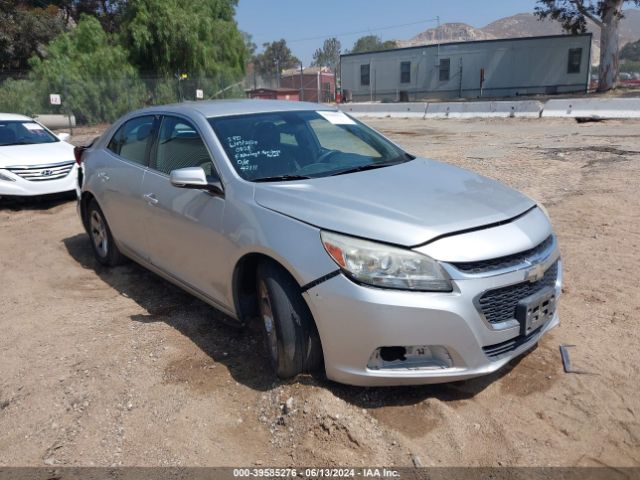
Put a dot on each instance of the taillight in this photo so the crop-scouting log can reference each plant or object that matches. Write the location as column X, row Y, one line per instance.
column 77, row 152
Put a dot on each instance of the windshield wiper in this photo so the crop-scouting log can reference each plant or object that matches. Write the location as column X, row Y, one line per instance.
column 280, row 178
column 369, row 166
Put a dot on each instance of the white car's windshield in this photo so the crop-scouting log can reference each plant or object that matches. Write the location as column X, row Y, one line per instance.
column 23, row 132
column 302, row 144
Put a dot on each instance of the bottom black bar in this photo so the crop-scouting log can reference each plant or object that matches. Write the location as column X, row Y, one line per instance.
column 215, row 473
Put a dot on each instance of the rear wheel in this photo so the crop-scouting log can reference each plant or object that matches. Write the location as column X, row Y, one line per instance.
column 104, row 248
column 291, row 337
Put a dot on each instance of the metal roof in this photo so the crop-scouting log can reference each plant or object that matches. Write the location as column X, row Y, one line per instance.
column 474, row 42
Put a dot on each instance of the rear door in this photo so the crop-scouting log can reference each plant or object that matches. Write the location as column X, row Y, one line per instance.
column 119, row 179
column 184, row 226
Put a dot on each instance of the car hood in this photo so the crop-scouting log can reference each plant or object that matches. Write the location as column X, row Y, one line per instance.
column 407, row 204
column 38, row 154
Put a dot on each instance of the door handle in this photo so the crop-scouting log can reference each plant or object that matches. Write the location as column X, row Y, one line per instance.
column 103, row 176
column 150, row 198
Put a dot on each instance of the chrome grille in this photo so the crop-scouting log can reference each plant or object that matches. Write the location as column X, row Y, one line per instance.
column 499, row 305
column 40, row 173
column 506, row 261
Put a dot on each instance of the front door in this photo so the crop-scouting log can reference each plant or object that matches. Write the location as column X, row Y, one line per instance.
column 184, row 226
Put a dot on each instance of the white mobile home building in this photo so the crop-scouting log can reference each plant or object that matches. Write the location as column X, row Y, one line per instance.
column 485, row 68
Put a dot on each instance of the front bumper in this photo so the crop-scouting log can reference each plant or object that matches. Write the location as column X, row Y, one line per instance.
column 355, row 320
column 25, row 188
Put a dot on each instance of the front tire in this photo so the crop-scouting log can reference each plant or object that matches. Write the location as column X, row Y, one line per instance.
column 291, row 337
column 104, row 248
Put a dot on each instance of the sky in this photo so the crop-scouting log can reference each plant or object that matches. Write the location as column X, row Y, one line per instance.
column 304, row 24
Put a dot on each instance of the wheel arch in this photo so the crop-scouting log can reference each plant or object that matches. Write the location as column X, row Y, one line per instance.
column 244, row 283
column 85, row 199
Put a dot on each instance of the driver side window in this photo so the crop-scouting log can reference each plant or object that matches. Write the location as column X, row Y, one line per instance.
column 180, row 146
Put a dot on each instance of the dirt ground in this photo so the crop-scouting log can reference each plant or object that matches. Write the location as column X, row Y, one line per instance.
column 118, row 367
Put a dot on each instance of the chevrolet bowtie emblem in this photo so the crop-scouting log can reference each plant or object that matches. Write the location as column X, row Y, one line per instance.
column 535, row 273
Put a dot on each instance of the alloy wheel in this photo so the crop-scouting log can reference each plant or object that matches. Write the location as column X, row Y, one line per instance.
column 99, row 234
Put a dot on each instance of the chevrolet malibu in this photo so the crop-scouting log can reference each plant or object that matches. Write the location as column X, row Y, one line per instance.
column 33, row 160
column 356, row 257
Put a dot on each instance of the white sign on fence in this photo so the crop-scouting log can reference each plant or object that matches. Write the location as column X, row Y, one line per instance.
column 55, row 99
column 199, row 94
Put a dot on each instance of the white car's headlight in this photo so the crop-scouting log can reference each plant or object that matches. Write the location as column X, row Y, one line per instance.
column 5, row 178
column 544, row 210
column 385, row 266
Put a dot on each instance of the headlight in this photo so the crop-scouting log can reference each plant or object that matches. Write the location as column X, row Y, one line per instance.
column 4, row 177
column 385, row 266
column 544, row 210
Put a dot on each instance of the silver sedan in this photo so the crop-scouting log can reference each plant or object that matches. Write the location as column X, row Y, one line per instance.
column 356, row 257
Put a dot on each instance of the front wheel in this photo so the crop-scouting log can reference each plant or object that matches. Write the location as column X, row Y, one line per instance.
column 291, row 336
column 104, row 248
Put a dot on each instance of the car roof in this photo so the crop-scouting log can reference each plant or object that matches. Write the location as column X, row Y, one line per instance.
column 13, row 116
column 224, row 108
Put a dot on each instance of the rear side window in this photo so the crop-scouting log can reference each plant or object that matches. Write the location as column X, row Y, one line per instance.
column 132, row 139
column 180, row 146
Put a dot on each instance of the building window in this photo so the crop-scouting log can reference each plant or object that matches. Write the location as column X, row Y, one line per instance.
column 364, row 74
column 445, row 67
column 405, row 72
column 575, row 59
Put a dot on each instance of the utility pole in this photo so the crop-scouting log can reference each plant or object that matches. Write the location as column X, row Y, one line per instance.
column 301, row 83
column 460, row 79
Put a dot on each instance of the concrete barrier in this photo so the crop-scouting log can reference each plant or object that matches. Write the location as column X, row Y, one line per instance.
column 593, row 108
column 56, row 122
column 524, row 108
column 502, row 109
column 570, row 108
column 396, row 110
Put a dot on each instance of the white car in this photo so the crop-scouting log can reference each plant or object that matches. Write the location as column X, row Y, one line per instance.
column 33, row 160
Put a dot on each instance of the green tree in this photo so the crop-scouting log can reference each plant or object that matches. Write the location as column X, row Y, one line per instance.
column 631, row 52
column 249, row 45
column 164, row 37
column 108, row 12
column 371, row 43
column 328, row 55
column 25, row 32
column 606, row 14
column 276, row 57
column 93, row 75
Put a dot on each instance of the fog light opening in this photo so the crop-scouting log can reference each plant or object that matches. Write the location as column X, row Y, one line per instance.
column 390, row 354
column 410, row 357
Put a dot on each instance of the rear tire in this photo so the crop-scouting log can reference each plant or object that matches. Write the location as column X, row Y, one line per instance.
column 291, row 337
column 104, row 248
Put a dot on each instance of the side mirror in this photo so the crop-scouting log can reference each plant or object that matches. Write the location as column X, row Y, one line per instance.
column 194, row 177
column 64, row 136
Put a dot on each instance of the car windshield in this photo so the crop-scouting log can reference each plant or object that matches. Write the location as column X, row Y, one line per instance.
column 302, row 144
column 24, row 132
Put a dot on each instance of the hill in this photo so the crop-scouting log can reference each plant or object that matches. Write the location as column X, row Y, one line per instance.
column 520, row 25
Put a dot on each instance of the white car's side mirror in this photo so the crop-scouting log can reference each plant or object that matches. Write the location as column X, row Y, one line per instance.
column 64, row 136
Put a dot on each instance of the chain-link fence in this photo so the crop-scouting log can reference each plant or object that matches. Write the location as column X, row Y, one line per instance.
column 99, row 100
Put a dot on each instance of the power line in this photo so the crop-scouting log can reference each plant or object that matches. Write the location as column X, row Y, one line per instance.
column 370, row 30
